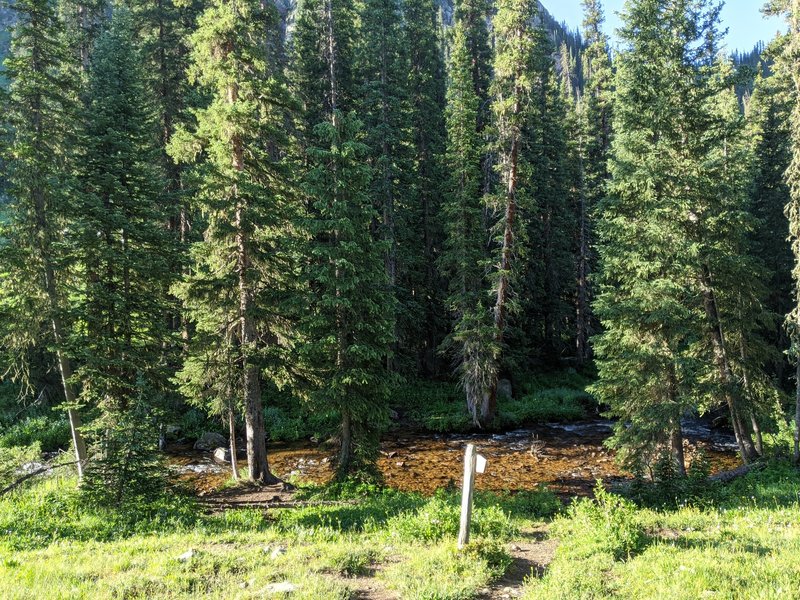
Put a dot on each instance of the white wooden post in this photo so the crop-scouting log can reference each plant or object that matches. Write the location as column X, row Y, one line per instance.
column 466, row 495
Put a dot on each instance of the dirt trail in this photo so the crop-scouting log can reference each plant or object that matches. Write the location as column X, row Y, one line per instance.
column 530, row 555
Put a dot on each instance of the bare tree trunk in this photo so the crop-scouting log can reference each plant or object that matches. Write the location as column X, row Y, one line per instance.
column 743, row 438
column 232, row 444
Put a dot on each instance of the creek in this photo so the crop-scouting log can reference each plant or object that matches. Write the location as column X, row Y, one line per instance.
column 568, row 458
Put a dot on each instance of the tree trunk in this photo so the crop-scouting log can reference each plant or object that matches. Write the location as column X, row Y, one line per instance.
column 743, row 438
column 253, row 411
column 676, row 446
column 797, row 414
column 232, row 444
column 43, row 230
column 346, row 450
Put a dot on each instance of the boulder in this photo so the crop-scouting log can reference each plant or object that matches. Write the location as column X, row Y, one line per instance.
column 504, row 389
column 210, row 441
column 222, row 455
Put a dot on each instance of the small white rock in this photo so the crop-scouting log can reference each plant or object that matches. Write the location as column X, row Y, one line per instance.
column 186, row 556
column 277, row 551
column 284, row 587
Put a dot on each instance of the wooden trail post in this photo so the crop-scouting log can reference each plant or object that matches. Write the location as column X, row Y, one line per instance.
column 472, row 462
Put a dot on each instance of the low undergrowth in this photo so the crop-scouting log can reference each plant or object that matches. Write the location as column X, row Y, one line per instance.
column 439, row 406
column 738, row 541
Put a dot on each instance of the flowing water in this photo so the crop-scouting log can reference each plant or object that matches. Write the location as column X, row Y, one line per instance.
column 568, row 458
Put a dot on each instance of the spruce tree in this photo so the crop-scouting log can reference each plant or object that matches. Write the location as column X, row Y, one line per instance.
column 243, row 192
column 511, row 93
column 347, row 319
column 464, row 255
column 119, row 229
column 40, row 113
column 768, row 117
column 595, row 119
column 789, row 66
column 545, row 327
column 645, row 301
column 424, row 228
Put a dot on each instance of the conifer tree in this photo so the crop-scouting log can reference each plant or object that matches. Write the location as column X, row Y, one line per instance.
column 729, row 277
column 424, row 228
column 242, row 191
column 789, row 65
column 645, row 296
column 464, row 254
column 382, row 105
column 552, row 163
column 347, row 321
column 595, row 118
column 40, row 113
column 768, row 117
column 119, row 228
column 473, row 15
column 511, row 91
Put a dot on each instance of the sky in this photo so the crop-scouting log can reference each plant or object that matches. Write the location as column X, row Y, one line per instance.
column 746, row 25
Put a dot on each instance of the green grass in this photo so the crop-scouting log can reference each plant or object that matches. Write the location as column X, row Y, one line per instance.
column 741, row 541
column 55, row 546
column 738, row 541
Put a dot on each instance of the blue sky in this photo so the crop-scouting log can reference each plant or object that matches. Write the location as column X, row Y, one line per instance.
column 746, row 25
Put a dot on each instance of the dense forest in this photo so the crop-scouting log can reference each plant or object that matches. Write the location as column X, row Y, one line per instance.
column 299, row 201
column 270, row 222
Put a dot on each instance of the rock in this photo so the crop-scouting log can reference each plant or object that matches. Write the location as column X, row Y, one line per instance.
column 186, row 556
column 209, row 441
column 277, row 552
column 222, row 455
column 284, row 587
column 504, row 388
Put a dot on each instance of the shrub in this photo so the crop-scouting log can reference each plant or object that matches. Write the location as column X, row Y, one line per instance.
column 605, row 524
column 51, row 433
column 439, row 518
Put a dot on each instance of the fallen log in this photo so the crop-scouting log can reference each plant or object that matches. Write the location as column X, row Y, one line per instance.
column 727, row 476
column 40, row 471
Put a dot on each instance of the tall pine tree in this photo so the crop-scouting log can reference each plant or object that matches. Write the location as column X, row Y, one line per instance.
column 40, row 112
column 119, row 229
column 347, row 321
column 242, row 191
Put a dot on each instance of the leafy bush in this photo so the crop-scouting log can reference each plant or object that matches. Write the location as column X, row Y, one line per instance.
column 606, row 523
column 439, row 518
column 51, row 433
